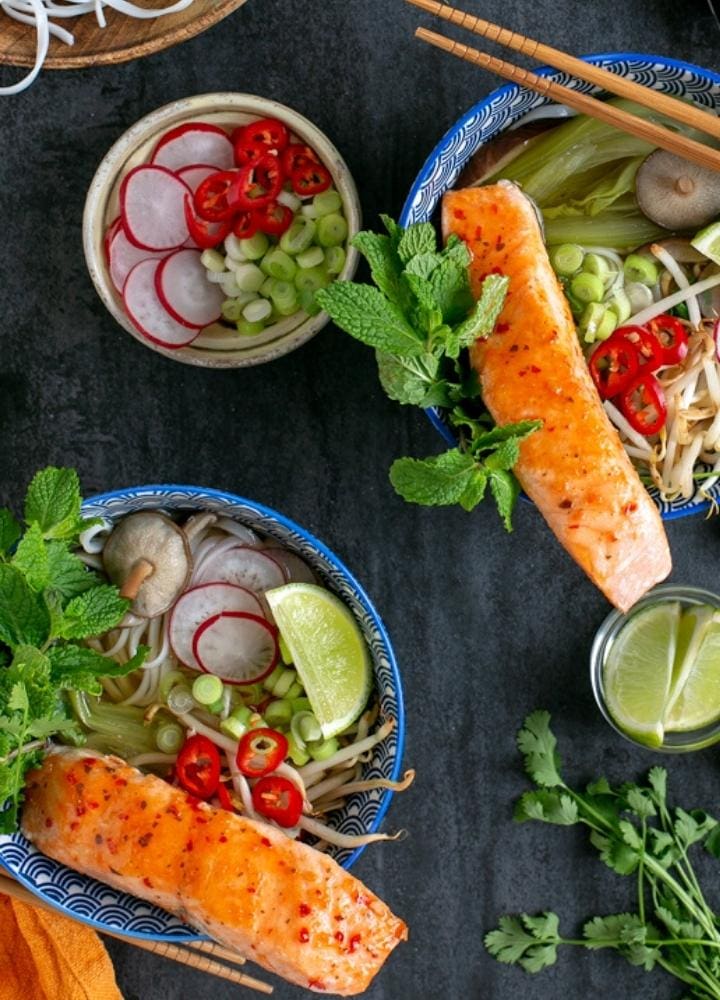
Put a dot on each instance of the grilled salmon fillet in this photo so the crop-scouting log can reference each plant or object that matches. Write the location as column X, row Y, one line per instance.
column 532, row 367
column 282, row 904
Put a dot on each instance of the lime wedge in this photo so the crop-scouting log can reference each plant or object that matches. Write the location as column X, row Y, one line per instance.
column 707, row 241
column 638, row 672
column 694, row 624
column 697, row 704
column 329, row 652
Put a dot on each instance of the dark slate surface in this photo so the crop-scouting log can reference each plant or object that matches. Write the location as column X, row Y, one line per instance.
column 486, row 627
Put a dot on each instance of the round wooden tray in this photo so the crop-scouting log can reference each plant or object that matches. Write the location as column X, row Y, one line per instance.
column 123, row 38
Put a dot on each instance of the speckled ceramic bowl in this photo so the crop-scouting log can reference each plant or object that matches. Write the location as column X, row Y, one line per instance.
column 108, row 909
column 217, row 346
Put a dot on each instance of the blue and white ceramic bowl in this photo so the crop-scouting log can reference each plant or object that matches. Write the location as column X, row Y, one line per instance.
column 505, row 108
column 108, row 909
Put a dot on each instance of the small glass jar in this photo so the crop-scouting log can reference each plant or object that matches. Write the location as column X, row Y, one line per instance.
column 673, row 742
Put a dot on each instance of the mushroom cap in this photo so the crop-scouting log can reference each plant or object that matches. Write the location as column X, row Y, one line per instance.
column 675, row 193
column 152, row 538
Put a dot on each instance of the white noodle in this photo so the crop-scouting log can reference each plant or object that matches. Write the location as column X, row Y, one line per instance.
column 681, row 280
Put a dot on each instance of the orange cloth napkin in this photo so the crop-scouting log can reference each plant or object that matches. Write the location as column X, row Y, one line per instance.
column 45, row 956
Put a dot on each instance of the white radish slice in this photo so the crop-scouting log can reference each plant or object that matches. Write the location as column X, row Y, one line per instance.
column 238, row 647
column 109, row 234
column 296, row 569
column 195, row 174
column 245, row 567
column 194, row 142
column 184, row 290
column 124, row 256
column 146, row 311
column 199, row 604
column 152, row 203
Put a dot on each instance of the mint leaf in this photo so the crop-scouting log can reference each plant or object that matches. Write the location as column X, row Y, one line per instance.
column 77, row 668
column 18, row 700
column 92, row 613
column 486, row 440
column 407, row 380
column 31, row 558
column 394, row 230
column 68, row 575
column 385, row 265
column 483, row 316
column 24, row 618
column 457, row 251
column 10, row 530
column 53, row 502
column 434, row 481
column 423, row 265
column 475, row 489
column 419, row 238
column 505, row 489
column 367, row 315
column 451, row 291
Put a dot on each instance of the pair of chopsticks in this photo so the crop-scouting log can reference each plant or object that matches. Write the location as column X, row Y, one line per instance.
column 687, row 114
column 200, row 955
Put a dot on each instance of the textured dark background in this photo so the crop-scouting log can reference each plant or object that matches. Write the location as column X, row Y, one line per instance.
column 486, row 627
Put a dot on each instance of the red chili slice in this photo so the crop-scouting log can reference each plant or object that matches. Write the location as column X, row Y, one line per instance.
column 215, row 198
column 244, row 225
column 643, row 405
column 672, row 337
column 297, row 155
column 648, row 347
column 261, row 751
column 206, row 234
column 268, row 132
column 273, row 219
column 278, row 799
column 258, row 183
column 248, row 152
column 225, row 801
column 310, row 178
column 613, row 365
column 198, row 767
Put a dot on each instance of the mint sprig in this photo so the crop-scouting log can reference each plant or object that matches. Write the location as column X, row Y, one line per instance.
column 49, row 599
column 421, row 318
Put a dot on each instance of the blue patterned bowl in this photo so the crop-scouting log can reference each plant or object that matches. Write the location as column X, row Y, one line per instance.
column 504, row 108
column 108, row 909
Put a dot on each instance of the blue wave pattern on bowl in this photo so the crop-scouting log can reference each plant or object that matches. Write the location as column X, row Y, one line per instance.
column 109, row 909
column 506, row 106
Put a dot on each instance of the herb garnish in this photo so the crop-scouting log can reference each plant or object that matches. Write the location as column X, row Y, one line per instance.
column 48, row 598
column 637, row 834
column 421, row 319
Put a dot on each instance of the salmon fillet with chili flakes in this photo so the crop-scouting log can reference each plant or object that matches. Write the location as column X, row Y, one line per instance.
column 532, row 368
column 282, row 904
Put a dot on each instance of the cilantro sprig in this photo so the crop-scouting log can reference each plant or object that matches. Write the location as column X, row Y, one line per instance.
column 49, row 602
column 637, row 834
column 421, row 318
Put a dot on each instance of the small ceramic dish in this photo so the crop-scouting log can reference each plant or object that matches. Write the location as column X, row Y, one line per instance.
column 108, row 909
column 217, row 346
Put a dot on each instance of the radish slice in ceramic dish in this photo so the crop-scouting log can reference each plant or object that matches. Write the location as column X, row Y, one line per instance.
column 245, row 567
column 146, row 311
column 199, row 604
column 194, row 142
column 152, row 203
column 109, row 234
column 238, row 647
column 123, row 256
column 195, row 174
column 185, row 292
column 296, row 569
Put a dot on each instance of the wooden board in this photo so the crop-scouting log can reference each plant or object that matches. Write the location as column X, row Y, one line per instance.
column 122, row 39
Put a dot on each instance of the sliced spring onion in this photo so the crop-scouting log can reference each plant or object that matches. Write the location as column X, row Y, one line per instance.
column 257, row 311
column 279, row 264
column 642, row 269
column 249, row 277
column 249, row 329
column 211, row 260
column 335, row 259
column 180, row 700
column 279, row 713
column 326, row 203
column 332, row 230
column 207, row 689
column 311, row 257
column 255, row 247
column 299, row 236
column 169, row 737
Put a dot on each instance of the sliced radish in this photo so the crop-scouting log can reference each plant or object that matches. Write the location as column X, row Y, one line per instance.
column 109, row 234
column 245, row 567
column 195, row 174
column 194, row 142
column 183, row 288
column 296, row 569
column 123, row 257
column 152, row 203
column 199, row 604
column 238, row 647
column 146, row 311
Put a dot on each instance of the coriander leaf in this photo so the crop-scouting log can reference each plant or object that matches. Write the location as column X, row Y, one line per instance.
column 10, row 531
column 407, row 380
column 434, row 481
column 53, row 502
column 691, row 827
column 385, row 265
column 617, row 855
column 92, row 613
column 640, row 802
column 77, row 668
column 617, row 928
column 483, row 316
column 31, row 558
column 23, row 616
column 505, row 489
column 712, row 842
column 420, row 238
column 364, row 313
column 657, row 779
column 538, row 745
column 423, row 264
column 599, row 787
column 451, row 290
column 548, row 807
column 43, row 729
column 512, row 944
column 630, row 835
column 487, row 440
column 68, row 575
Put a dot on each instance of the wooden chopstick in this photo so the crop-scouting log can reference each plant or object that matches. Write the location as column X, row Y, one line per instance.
column 10, row 887
column 688, row 114
column 689, row 149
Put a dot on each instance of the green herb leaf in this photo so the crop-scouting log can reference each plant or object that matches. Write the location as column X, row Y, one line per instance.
column 434, row 481
column 548, row 807
column 534, row 948
column 53, row 502
column 68, row 575
column 31, row 558
column 451, row 291
column 505, row 489
column 483, row 317
column 385, row 265
column 23, row 615
column 417, row 239
column 487, row 440
column 539, row 747
column 367, row 315
column 77, row 668
column 423, row 264
column 92, row 613
column 407, row 380
column 10, row 531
